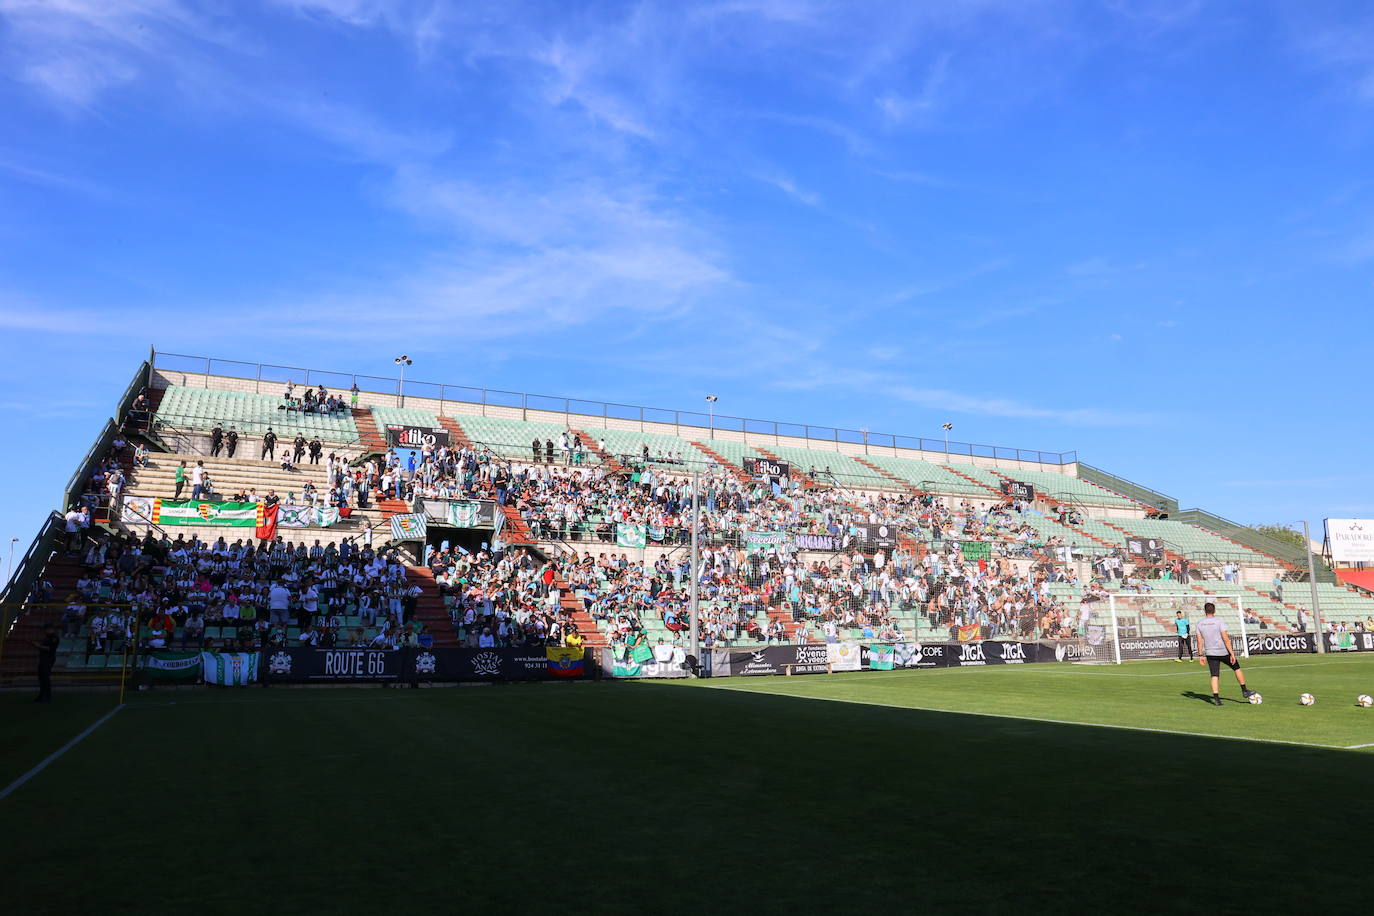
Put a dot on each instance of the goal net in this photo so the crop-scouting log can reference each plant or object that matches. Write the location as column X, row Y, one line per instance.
column 1128, row 626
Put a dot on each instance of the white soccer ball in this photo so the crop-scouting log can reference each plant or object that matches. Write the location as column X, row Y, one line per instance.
column 1255, row 699
column 1365, row 700
column 1307, row 699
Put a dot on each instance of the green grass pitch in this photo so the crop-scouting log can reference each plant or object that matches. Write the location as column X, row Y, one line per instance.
column 942, row 790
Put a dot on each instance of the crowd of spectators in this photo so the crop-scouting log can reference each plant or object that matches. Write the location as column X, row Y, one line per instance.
column 258, row 594
column 502, row 598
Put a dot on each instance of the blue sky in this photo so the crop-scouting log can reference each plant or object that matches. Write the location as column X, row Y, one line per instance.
column 1141, row 230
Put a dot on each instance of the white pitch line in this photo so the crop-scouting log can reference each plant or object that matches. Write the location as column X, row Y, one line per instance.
column 998, row 715
column 9, row 789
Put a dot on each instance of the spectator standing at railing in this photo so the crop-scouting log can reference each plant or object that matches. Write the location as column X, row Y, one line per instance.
column 297, row 448
column 216, row 440
column 269, row 445
column 232, row 440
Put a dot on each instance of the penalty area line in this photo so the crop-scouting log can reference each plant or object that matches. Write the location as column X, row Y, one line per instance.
column 9, row 789
column 1001, row 715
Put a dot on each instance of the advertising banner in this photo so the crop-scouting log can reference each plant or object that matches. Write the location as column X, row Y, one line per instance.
column 1018, row 490
column 136, row 510
column 1077, row 650
column 1148, row 647
column 1277, row 643
column 506, row 663
column 803, row 659
column 978, row 654
column 1351, row 539
column 416, row 436
column 308, row 664
column 1150, row 549
column 665, row 661
column 766, row 467
column 206, row 514
column 919, row 655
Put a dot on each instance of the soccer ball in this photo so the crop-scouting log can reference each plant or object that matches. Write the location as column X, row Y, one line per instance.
column 1364, row 699
column 1307, row 699
column 1255, row 699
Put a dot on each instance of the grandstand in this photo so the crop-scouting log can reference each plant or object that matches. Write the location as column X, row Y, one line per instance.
column 937, row 502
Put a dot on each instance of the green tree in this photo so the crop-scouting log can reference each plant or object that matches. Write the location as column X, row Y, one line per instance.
column 1283, row 533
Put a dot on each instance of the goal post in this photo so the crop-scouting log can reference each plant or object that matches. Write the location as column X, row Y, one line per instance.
column 1141, row 625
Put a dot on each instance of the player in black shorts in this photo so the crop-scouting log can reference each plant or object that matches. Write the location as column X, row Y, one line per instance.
column 1214, row 650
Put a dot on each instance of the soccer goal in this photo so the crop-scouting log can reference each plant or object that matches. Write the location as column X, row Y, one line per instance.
column 1129, row 626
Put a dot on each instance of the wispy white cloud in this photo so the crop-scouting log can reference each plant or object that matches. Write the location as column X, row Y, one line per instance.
column 789, row 187
column 900, row 108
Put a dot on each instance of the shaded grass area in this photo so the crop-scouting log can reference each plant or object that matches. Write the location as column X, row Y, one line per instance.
column 641, row 798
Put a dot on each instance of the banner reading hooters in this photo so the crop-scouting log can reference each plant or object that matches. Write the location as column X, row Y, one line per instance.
column 201, row 513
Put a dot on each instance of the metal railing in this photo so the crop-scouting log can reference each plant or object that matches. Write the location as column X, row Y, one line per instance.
column 275, row 376
column 1128, row 488
column 30, row 567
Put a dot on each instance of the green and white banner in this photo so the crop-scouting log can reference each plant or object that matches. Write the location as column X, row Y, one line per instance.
column 763, row 540
column 202, row 514
column 631, row 535
column 976, row 550
column 326, row 516
column 307, row 516
column 880, row 657
column 230, row 669
column 171, row 666
column 412, row 526
column 464, row 515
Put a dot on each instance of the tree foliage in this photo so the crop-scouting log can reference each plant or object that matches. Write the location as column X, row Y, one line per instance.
column 1283, row 533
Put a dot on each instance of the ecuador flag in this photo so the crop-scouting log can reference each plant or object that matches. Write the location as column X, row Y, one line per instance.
column 564, row 661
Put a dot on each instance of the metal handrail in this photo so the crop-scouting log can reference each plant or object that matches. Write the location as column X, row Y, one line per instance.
column 391, row 387
column 26, row 572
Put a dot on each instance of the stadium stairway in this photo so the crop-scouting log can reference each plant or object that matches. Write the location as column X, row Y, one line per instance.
column 904, row 484
column 18, row 656
column 607, row 460
column 458, row 438
column 515, row 530
column 368, row 433
column 429, row 607
column 973, row 480
column 735, row 470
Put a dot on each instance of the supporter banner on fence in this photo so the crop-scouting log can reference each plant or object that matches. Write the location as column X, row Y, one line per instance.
column 290, row 516
column 170, row 666
column 307, row 664
column 460, row 513
column 230, row 669
column 876, row 536
column 664, row 661
column 632, row 536
column 826, row 542
column 416, row 436
column 136, row 510
column 843, row 656
column 411, row 526
column 766, row 540
column 206, row 514
column 976, row 550
column 1351, row 539
column 1350, row 641
column 919, row 655
column 881, row 657
column 1268, row 644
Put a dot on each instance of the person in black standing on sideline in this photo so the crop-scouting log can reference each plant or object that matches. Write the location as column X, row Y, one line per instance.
column 47, row 657
column 232, row 441
column 269, row 445
column 216, row 440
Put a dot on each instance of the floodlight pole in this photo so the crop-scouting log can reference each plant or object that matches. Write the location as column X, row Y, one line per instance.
column 1312, row 581
column 696, row 573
